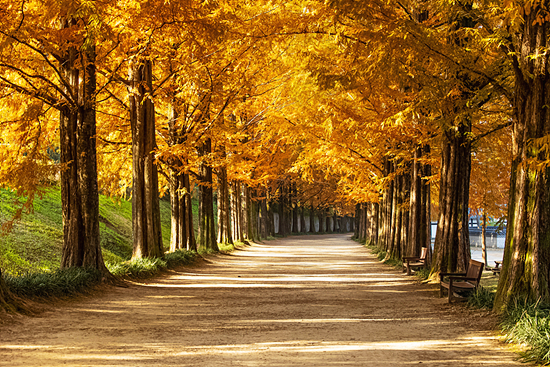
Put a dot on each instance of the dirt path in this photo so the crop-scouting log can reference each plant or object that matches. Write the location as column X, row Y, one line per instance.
column 301, row 301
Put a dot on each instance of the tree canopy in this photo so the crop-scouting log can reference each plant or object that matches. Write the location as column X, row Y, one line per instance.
column 402, row 110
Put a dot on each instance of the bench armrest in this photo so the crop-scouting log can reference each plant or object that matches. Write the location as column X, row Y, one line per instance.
column 411, row 258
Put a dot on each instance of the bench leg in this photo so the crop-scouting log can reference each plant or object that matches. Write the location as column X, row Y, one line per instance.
column 450, row 290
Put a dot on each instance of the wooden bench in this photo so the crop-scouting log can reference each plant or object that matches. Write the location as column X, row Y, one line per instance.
column 415, row 262
column 496, row 270
column 461, row 282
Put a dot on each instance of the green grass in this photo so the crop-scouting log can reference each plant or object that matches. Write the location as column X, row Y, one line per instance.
column 422, row 273
column 481, row 298
column 30, row 254
column 34, row 244
column 58, row 283
column 528, row 324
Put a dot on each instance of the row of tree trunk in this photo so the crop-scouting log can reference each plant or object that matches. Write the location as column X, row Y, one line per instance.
column 247, row 214
column 400, row 222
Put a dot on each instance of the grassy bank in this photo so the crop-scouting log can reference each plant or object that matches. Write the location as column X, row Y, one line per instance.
column 30, row 254
column 34, row 243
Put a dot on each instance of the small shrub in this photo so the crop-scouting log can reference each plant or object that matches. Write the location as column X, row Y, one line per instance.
column 59, row 283
column 226, row 247
column 422, row 273
column 179, row 257
column 137, row 268
column 481, row 298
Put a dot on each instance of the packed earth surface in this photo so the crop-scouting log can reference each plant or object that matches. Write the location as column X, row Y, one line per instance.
column 299, row 301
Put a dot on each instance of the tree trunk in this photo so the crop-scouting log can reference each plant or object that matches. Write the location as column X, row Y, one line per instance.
column 414, row 245
column 178, row 228
column 145, row 195
column 236, row 212
column 181, row 223
column 405, row 214
column 395, row 245
column 224, row 218
column 386, row 209
column 207, row 234
column 8, row 301
column 302, row 220
column 264, row 218
column 373, row 232
column 282, row 213
column 322, row 221
column 452, row 243
column 356, row 220
column 311, row 219
column 270, row 216
column 526, row 263
column 249, row 211
column 293, row 193
column 79, row 186
column 484, row 238
column 425, row 232
column 365, row 223
column 358, row 216
column 191, row 241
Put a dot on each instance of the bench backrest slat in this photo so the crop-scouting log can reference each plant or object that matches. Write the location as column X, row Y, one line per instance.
column 475, row 269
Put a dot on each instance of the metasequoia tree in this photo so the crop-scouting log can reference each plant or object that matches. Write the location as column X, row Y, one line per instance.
column 182, row 232
column 526, row 267
column 145, row 194
column 59, row 47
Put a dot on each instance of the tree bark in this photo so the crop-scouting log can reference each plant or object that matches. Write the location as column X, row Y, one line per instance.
column 302, row 220
column 526, row 263
column 322, row 221
column 484, row 238
column 452, row 243
column 358, row 216
column 8, row 301
column 311, row 219
column 356, row 221
column 419, row 235
column 178, row 228
column 181, row 229
column 386, row 209
column 294, row 205
column 207, row 234
column 224, row 217
column 79, row 186
column 414, row 245
column 264, row 219
column 373, row 232
column 270, row 216
column 236, row 212
column 145, row 195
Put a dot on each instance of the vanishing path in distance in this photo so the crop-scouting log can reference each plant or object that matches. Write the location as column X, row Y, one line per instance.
column 320, row 300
